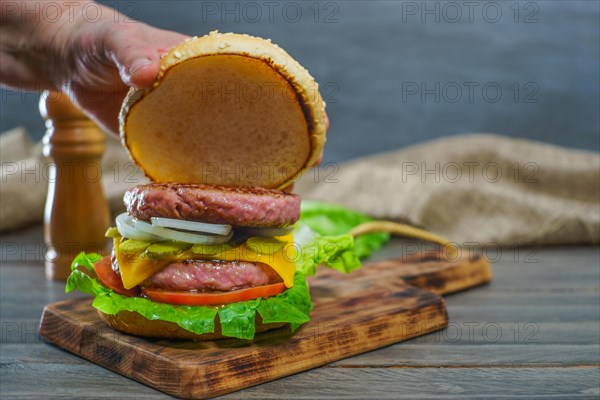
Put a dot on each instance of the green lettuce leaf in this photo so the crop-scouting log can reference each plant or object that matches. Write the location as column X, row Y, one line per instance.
column 191, row 318
column 292, row 306
column 328, row 241
column 86, row 261
column 81, row 280
column 330, row 220
column 237, row 320
column 336, row 252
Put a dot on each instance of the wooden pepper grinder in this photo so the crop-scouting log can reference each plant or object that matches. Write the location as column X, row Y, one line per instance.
column 77, row 213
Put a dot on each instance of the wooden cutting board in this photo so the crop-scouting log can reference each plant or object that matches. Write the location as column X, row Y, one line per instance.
column 386, row 302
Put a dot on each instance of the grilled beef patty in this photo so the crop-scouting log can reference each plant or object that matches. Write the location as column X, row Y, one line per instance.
column 212, row 275
column 238, row 206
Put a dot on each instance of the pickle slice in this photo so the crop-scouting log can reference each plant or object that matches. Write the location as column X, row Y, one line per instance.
column 166, row 248
column 133, row 246
column 212, row 249
column 112, row 232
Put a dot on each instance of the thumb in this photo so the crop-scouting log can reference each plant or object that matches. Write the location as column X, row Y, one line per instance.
column 136, row 52
column 138, row 64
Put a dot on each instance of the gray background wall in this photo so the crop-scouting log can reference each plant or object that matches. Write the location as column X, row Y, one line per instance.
column 400, row 72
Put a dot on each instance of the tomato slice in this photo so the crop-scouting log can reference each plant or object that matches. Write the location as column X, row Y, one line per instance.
column 110, row 279
column 212, row 298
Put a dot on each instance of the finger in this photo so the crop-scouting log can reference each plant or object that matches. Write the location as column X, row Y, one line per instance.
column 138, row 63
column 104, row 116
column 162, row 41
column 319, row 160
column 136, row 53
column 143, row 72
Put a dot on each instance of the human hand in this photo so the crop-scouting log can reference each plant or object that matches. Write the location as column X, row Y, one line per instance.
column 130, row 58
column 94, row 62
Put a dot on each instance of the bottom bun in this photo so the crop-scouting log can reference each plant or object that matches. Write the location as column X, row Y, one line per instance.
column 135, row 324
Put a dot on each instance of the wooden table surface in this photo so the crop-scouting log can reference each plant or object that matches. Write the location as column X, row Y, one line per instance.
column 534, row 332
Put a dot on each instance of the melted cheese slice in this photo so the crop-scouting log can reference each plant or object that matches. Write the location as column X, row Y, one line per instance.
column 135, row 268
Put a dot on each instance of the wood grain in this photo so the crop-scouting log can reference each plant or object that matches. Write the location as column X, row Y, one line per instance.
column 30, row 368
column 413, row 353
column 86, row 381
column 435, row 383
column 352, row 314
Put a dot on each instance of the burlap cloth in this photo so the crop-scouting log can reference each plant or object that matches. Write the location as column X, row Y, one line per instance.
column 24, row 181
column 476, row 189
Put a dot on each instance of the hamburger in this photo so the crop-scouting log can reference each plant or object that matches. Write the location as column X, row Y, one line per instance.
column 201, row 245
column 211, row 248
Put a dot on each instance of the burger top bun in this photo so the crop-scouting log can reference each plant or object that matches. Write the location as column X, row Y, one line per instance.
column 226, row 109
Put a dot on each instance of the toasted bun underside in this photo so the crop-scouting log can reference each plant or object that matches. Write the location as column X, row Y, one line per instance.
column 135, row 324
column 226, row 109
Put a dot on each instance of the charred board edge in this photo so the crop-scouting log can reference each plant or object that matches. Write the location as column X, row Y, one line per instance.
column 455, row 277
column 426, row 270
